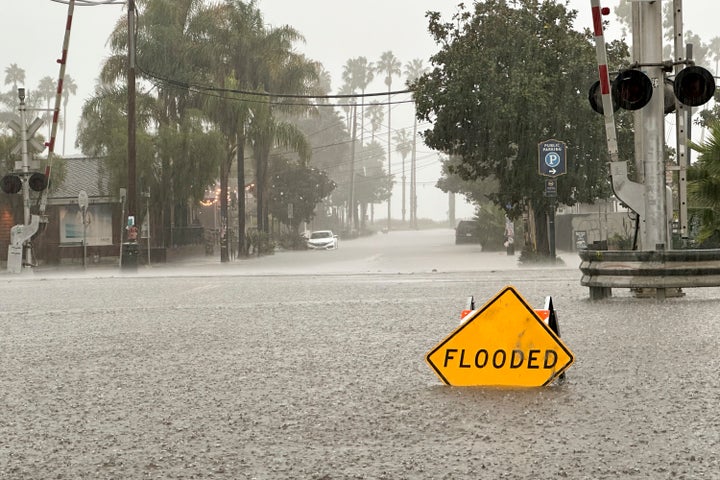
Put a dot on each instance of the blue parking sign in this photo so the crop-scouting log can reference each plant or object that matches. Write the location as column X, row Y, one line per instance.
column 552, row 161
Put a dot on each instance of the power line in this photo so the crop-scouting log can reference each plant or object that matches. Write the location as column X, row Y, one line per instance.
column 217, row 93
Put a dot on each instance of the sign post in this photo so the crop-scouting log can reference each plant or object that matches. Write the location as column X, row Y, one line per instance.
column 83, row 202
column 505, row 343
column 552, row 162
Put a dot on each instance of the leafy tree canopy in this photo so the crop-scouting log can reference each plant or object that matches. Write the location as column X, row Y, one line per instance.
column 300, row 186
column 508, row 76
column 704, row 184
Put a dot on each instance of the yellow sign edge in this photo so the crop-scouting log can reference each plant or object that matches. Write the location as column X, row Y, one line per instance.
column 478, row 312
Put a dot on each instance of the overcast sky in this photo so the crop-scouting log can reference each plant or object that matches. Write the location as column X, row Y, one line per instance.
column 335, row 31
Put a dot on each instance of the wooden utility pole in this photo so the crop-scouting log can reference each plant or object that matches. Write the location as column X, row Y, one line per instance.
column 132, row 153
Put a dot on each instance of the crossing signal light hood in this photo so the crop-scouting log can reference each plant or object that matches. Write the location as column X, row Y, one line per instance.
column 37, row 182
column 694, row 86
column 632, row 89
column 11, row 184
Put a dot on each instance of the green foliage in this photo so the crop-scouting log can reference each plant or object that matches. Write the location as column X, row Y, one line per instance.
column 371, row 181
column 491, row 226
column 508, row 76
column 259, row 242
column 291, row 240
column 704, row 185
column 619, row 242
column 303, row 187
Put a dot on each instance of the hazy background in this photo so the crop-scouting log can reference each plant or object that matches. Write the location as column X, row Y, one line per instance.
column 335, row 30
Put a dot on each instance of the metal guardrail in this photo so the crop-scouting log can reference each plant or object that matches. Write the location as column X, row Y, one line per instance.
column 603, row 270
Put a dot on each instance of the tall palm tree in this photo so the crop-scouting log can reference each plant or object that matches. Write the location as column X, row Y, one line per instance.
column 281, row 70
column 235, row 30
column 14, row 75
column 390, row 66
column 69, row 88
column 46, row 91
column 376, row 115
column 358, row 73
column 346, row 103
column 403, row 144
column 714, row 48
column 413, row 70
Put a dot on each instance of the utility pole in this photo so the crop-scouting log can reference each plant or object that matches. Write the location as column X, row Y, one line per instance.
column 413, row 179
column 351, row 211
column 389, row 216
column 653, row 128
column 129, row 250
column 132, row 152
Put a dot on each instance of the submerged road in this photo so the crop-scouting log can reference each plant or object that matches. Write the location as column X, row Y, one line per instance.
column 311, row 365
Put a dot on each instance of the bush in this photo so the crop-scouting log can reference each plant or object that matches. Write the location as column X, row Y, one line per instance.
column 293, row 241
column 491, row 227
column 260, row 243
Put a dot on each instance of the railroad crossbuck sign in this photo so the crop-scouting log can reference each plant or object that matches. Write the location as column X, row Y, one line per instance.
column 504, row 343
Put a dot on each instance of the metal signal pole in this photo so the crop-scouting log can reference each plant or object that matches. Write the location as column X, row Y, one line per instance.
column 653, row 128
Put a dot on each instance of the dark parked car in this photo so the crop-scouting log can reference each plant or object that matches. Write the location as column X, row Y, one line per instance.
column 467, row 232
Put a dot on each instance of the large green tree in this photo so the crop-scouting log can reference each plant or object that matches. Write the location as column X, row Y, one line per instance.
column 296, row 190
column 169, row 55
column 507, row 76
column 233, row 30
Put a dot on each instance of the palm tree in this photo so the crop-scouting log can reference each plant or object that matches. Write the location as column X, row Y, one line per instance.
column 704, row 183
column 46, row 91
column 376, row 116
column 714, row 48
column 413, row 70
column 14, row 75
column 69, row 88
column 235, row 29
column 168, row 47
column 403, row 144
column 390, row 66
column 279, row 69
column 358, row 73
column 346, row 103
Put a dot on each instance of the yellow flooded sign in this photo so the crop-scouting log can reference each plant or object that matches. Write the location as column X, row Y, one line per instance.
column 504, row 343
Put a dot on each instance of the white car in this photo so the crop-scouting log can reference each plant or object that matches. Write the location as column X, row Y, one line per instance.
column 322, row 240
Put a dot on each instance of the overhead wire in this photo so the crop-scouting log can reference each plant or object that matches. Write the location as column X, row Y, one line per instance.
column 218, row 92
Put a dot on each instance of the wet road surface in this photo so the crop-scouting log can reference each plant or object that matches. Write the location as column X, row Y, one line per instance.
column 311, row 365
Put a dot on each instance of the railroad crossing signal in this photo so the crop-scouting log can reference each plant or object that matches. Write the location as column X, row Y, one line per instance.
column 33, row 145
column 632, row 89
column 12, row 183
column 505, row 343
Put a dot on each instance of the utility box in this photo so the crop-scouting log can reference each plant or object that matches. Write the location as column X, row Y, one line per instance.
column 130, row 253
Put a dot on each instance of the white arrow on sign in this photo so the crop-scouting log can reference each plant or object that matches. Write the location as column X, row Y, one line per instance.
column 553, row 171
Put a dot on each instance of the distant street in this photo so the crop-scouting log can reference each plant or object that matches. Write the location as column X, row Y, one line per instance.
column 311, row 365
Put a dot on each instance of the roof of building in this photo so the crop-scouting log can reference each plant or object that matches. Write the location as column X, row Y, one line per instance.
column 83, row 173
